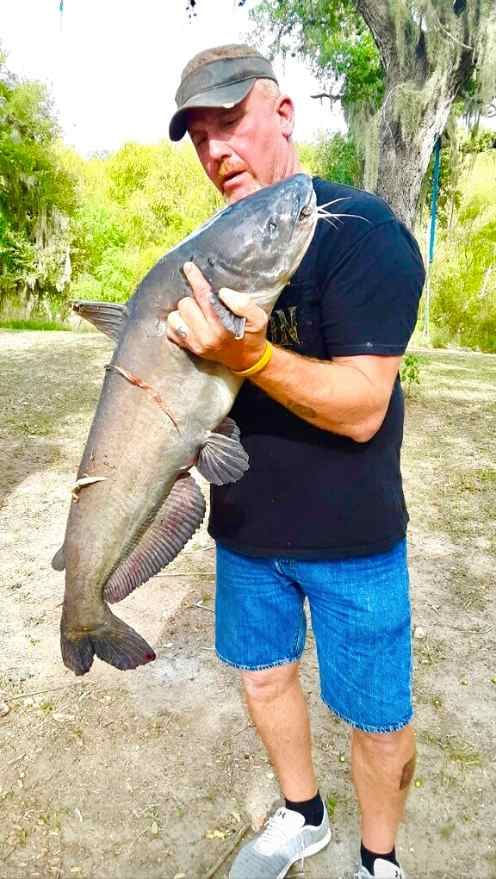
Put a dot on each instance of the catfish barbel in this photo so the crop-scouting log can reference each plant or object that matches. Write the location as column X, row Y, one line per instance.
column 161, row 411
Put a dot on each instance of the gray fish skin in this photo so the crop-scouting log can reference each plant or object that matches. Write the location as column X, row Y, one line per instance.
column 115, row 534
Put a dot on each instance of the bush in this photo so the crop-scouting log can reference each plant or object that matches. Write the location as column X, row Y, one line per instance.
column 134, row 206
column 37, row 196
column 463, row 278
column 333, row 158
column 410, row 371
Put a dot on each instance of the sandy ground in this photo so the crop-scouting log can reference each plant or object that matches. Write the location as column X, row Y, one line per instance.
column 156, row 773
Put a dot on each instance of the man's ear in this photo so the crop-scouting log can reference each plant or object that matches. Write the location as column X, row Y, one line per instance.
column 286, row 112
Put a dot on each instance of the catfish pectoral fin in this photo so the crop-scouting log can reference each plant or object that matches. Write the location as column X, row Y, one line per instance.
column 108, row 317
column 228, row 427
column 176, row 521
column 223, row 458
column 114, row 642
column 232, row 322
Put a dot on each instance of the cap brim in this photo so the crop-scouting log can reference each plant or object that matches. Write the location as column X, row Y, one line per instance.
column 224, row 96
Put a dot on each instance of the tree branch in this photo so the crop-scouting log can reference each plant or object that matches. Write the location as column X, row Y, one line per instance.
column 377, row 15
column 332, row 98
column 450, row 35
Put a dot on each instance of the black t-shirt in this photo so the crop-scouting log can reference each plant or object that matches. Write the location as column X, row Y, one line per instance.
column 310, row 493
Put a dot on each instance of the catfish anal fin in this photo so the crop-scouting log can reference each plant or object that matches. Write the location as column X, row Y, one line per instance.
column 176, row 521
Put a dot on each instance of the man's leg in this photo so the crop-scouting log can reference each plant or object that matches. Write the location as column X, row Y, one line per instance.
column 361, row 621
column 382, row 766
column 277, row 707
column 260, row 629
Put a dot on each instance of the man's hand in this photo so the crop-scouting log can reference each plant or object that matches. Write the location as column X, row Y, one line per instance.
column 196, row 327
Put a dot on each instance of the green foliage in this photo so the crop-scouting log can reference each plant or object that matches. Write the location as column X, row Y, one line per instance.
column 410, row 371
column 71, row 228
column 335, row 158
column 463, row 281
column 478, row 141
column 340, row 160
column 32, row 324
column 335, row 41
column 134, row 205
column 36, row 195
column 457, row 158
column 331, row 803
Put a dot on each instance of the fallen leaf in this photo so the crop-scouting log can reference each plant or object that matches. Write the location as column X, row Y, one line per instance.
column 216, row 834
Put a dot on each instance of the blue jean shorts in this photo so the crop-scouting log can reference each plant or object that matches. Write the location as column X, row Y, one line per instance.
column 361, row 621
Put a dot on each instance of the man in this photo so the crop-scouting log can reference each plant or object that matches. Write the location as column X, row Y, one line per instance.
column 320, row 514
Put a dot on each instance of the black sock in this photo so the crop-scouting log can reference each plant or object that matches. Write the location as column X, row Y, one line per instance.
column 312, row 810
column 369, row 857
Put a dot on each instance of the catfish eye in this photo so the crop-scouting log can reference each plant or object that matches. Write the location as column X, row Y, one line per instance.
column 272, row 227
column 305, row 212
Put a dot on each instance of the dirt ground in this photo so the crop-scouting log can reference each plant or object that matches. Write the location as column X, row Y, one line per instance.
column 157, row 773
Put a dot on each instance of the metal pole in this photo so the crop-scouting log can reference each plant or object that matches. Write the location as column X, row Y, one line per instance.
column 432, row 235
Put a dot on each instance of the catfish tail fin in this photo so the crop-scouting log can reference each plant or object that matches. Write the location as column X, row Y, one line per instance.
column 114, row 642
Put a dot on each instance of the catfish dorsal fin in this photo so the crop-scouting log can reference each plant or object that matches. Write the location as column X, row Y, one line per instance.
column 108, row 317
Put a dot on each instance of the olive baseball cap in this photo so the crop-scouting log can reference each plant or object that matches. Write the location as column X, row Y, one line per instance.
column 222, row 81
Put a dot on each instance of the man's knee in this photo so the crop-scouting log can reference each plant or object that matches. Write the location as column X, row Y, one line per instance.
column 396, row 749
column 269, row 683
column 388, row 742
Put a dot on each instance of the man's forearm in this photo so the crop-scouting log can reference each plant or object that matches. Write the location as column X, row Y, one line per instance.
column 348, row 395
column 332, row 396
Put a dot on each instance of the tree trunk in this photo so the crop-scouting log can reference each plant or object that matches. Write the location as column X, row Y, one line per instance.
column 403, row 160
column 421, row 87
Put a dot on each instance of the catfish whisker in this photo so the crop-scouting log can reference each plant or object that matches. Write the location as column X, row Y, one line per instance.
column 334, row 201
column 356, row 216
column 325, row 214
column 327, row 219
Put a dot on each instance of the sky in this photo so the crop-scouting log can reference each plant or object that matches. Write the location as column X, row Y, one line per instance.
column 112, row 66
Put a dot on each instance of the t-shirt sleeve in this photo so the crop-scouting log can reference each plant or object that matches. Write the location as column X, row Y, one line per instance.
column 370, row 299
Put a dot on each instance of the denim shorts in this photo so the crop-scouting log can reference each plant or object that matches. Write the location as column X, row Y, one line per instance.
column 361, row 621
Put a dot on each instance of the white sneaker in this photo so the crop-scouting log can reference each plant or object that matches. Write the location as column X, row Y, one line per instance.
column 285, row 840
column 382, row 870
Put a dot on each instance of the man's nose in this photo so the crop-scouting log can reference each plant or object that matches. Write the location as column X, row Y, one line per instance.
column 218, row 149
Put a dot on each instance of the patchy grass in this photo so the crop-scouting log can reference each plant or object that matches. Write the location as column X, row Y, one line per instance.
column 33, row 324
column 455, row 749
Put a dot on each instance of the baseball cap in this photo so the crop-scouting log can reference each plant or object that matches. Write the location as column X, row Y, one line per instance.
column 222, row 80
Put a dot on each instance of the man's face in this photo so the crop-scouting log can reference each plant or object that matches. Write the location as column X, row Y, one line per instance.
column 243, row 148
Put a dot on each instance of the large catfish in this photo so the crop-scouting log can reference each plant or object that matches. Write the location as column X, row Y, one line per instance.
column 161, row 411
